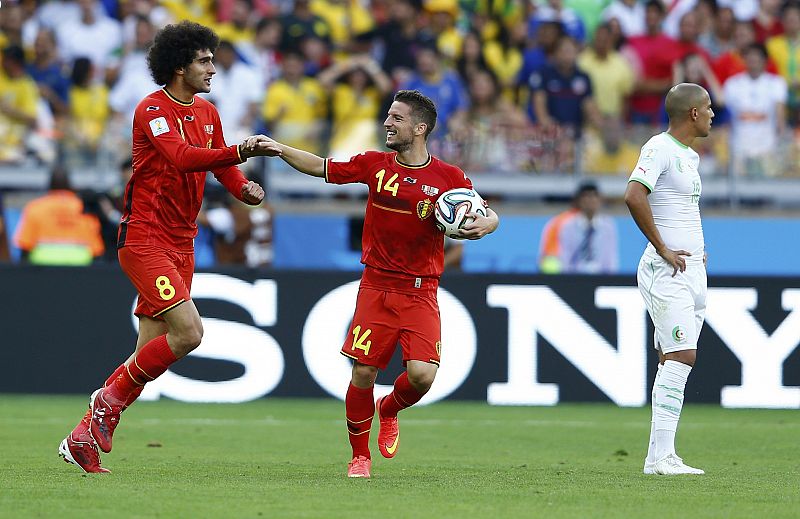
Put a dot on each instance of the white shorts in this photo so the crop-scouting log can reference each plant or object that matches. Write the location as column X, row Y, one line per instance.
column 677, row 305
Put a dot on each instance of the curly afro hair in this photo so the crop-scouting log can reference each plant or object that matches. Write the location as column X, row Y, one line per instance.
column 176, row 46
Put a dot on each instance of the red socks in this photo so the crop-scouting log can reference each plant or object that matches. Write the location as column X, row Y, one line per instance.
column 404, row 395
column 117, row 372
column 359, row 407
column 151, row 362
column 134, row 394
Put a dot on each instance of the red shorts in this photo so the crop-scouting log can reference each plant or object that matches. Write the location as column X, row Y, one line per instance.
column 383, row 318
column 162, row 277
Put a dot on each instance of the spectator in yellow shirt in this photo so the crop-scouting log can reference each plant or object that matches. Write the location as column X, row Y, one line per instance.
column 19, row 97
column 443, row 14
column 358, row 87
column 199, row 11
column 607, row 151
column 239, row 30
column 504, row 56
column 300, row 23
column 295, row 106
column 784, row 50
column 89, row 112
column 611, row 74
column 345, row 18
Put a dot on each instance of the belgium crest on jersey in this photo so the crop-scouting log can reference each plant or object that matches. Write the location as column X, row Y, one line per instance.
column 424, row 208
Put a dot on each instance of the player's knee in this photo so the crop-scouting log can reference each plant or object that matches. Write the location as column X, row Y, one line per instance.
column 687, row 357
column 363, row 375
column 421, row 380
column 189, row 338
column 195, row 334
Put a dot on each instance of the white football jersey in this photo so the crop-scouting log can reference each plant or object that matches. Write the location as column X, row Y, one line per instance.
column 669, row 170
column 753, row 105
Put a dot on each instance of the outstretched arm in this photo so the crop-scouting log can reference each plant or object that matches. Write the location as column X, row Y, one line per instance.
column 303, row 161
column 636, row 200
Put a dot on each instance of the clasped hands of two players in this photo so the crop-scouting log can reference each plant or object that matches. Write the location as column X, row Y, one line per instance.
column 675, row 258
column 253, row 146
column 259, row 145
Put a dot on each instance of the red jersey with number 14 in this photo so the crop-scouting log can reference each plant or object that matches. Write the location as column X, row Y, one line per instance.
column 400, row 233
column 174, row 144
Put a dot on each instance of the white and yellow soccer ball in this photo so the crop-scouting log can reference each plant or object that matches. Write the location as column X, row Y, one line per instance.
column 451, row 209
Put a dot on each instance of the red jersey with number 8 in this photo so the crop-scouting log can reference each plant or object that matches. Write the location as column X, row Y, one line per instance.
column 400, row 233
column 174, row 144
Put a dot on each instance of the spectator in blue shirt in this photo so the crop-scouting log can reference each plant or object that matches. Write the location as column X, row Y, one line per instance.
column 441, row 84
column 562, row 93
column 49, row 72
column 537, row 55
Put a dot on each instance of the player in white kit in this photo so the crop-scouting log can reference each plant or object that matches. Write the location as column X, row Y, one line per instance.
column 663, row 196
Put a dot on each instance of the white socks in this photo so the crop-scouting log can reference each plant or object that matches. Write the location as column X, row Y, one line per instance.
column 667, row 404
column 651, row 446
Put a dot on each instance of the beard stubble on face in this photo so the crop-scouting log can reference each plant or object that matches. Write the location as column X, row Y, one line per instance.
column 399, row 146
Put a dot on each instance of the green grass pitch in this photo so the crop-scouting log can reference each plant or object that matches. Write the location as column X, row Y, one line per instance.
column 287, row 458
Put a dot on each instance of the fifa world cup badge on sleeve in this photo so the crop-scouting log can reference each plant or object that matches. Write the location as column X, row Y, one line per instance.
column 158, row 126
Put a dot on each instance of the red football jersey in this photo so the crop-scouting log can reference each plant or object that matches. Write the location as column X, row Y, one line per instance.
column 400, row 233
column 174, row 145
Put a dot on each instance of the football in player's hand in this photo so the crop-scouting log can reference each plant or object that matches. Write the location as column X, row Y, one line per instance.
column 452, row 207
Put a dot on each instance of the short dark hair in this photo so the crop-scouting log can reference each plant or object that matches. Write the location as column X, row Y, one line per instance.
column 81, row 71
column 712, row 4
column 656, row 4
column 226, row 45
column 14, row 53
column 789, row 5
column 604, row 26
column 176, row 46
column 59, row 179
column 587, row 186
column 422, row 107
column 756, row 47
column 265, row 22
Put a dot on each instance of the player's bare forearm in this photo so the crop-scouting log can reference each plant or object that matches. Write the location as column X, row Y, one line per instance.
column 303, row 161
column 636, row 200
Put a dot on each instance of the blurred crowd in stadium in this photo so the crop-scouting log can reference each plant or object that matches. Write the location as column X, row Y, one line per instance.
column 570, row 87
column 521, row 85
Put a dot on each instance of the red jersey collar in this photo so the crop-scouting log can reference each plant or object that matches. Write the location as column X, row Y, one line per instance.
column 176, row 100
column 414, row 166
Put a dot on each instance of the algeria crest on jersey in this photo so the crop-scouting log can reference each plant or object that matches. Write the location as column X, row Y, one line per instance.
column 424, row 208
